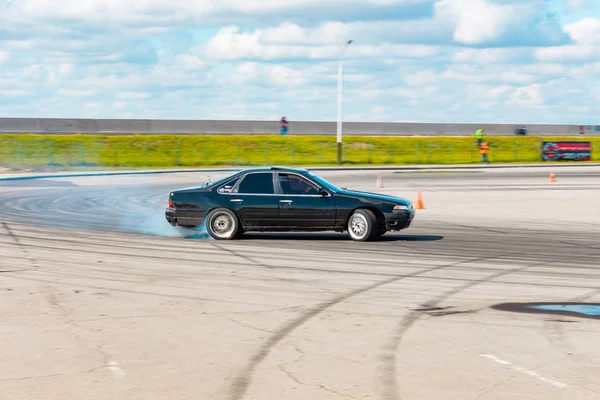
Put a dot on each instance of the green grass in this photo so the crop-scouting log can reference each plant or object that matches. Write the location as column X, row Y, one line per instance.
column 158, row 151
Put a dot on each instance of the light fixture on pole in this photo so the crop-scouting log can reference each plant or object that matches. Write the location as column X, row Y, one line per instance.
column 339, row 100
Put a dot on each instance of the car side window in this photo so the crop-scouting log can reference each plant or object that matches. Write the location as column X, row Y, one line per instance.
column 228, row 186
column 294, row 184
column 257, row 183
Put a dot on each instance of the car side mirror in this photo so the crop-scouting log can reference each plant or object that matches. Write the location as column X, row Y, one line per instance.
column 323, row 193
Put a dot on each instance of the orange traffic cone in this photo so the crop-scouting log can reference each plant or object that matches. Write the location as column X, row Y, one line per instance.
column 420, row 205
column 379, row 182
column 552, row 177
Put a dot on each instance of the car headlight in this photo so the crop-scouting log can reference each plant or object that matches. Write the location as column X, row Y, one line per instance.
column 401, row 208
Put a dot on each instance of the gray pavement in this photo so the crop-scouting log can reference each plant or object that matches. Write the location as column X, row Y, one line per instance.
column 101, row 299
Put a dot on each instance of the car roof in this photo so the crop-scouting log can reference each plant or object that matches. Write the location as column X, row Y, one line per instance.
column 275, row 168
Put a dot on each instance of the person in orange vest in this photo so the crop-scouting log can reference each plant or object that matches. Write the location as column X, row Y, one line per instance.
column 484, row 149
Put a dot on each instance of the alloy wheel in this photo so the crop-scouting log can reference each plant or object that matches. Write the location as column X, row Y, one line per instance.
column 358, row 226
column 223, row 225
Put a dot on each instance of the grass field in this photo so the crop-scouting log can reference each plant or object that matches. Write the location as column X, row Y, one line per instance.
column 154, row 151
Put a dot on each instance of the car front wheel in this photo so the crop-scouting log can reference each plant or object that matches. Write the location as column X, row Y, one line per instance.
column 362, row 225
column 223, row 224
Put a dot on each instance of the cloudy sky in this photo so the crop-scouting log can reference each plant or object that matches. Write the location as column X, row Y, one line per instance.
column 517, row 61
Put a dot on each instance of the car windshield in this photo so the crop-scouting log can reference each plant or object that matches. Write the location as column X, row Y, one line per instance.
column 324, row 182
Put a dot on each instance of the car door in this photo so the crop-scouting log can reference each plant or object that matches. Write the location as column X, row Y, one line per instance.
column 301, row 205
column 254, row 199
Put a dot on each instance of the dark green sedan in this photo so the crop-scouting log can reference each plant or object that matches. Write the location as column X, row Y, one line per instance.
column 280, row 199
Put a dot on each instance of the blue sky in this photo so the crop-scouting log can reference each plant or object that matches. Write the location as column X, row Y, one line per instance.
column 514, row 61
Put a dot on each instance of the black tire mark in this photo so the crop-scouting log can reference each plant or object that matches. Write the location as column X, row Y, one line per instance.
column 131, row 291
column 304, row 269
column 21, row 246
column 389, row 376
column 167, row 258
column 398, row 276
column 241, row 383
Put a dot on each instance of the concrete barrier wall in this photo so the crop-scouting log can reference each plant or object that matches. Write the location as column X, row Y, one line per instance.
column 142, row 126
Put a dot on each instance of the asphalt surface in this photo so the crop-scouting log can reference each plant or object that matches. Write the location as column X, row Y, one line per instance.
column 102, row 299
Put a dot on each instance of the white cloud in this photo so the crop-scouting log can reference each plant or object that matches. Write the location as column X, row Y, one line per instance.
column 231, row 44
column 17, row 93
column 586, row 31
column 492, row 55
column 422, row 78
column 95, row 105
column 478, row 21
column 3, row 57
column 571, row 53
column 498, row 92
column 544, row 69
column 378, row 109
column 133, row 95
column 576, row 4
column 527, row 96
column 76, row 93
column 432, row 31
column 249, row 73
column 516, row 77
column 65, row 69
column 20, row 44
column 586, row 35
column 189, row 61
column 161, row 13
column 579, row 109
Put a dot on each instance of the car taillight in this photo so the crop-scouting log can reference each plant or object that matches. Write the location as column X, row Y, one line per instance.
column 171, row 203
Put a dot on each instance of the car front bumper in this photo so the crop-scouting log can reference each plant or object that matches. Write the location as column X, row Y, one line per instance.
column 171, row 216
column 399, row 220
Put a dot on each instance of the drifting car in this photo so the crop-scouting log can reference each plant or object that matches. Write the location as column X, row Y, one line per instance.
column 279, row 199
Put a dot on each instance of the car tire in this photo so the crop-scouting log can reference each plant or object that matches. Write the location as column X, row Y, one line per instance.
column 362, row 225
column 223, row 224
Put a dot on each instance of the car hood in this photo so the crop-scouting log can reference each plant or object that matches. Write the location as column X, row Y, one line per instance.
column 377, row 196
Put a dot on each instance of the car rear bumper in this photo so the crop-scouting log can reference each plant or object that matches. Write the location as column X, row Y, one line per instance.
column 398, row 220
column 171, row 216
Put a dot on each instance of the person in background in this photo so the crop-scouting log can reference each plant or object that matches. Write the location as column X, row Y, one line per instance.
column 479, row 136
column 283, row 125
column 484, row 149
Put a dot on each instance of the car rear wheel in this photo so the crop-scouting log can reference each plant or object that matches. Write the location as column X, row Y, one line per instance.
column 362, row 225
column 223, row 224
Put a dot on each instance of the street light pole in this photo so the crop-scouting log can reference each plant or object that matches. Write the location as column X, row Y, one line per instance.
column 340, row 103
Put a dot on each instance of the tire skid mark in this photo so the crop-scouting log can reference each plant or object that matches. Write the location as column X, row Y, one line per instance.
column 200, row 252
column 529, row 256
column 101, row 240
column 395, row 276
column 145, row 273
column 24, row 248
column 389, row 377
column 132, row 291
column 242, row 381
column 158, row 257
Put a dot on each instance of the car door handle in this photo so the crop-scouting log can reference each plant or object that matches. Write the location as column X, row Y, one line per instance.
column 237, row 201
column 286, row 201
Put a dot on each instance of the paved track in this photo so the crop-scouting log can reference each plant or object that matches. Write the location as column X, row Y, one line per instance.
column 97, row 306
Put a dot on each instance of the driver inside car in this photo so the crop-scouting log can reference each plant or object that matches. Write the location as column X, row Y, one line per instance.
column 298, row 186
